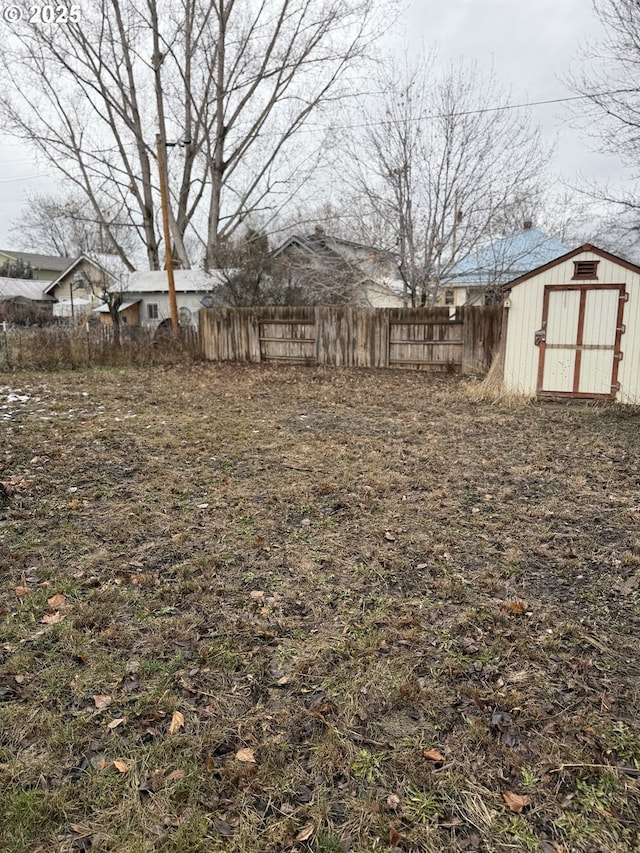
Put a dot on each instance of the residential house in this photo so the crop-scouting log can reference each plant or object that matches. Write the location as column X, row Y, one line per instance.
column 77, row 291
column 149, row 290
column 78, row 287
column 44, row 267
column 476, row 280
column 331, row 270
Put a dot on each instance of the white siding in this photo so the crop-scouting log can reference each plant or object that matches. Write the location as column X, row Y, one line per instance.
column 525, row 317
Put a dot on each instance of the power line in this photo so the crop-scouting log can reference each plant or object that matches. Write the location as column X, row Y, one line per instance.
column 503, row 108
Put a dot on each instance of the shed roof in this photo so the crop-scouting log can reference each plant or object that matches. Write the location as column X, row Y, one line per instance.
column 506, row 258
column 586, row 247
column 104, row 308
column 28, row 288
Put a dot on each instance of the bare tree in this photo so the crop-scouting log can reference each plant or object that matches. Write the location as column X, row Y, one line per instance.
column 611, row 89
column 444, row 164
column 67, row 227
column 234, row 81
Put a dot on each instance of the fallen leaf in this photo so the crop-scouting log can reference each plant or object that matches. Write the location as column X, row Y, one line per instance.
column 101, row 702
column 516, row 802
column 394, row 837
column 247, row 755
column 422, row 566
column 177, row 774
column 177, row 722
column 53, row 618
column 305, row 833
column 516, row 607
column 80, row 829
column 115, row 723
column 433, row 755
column 173, row 822
column 19, row 679
column 389, row 536
column 256, row 594
column 57, row 601
column 223, row 828
column 121, row 766
column 393, row 801
column 22, row 591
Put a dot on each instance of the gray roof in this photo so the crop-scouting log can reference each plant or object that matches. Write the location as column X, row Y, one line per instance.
column 39, row 262
column 28, row 288
column 155, row 281
column 506, row 259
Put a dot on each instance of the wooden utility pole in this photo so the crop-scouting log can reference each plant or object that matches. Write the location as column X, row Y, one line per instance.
column 164, row 203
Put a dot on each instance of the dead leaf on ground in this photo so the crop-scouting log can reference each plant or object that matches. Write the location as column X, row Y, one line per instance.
column 394, row 837
column 177, row 722
column 53, row 618
column 224, row 829
column 433, row 755
column 80, row 829
column 389, row 536
column 115, row 723
column 57, row 601
column 121, row 766
column 177, row 774
column 305, row 833
column 516, row 802
column 256, row 594
column 247, row 755
column 393, row 801
column 101, row 701
column 518, row 608
column 22, row 591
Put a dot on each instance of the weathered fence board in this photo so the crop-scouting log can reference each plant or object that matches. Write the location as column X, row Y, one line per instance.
column 417, row 338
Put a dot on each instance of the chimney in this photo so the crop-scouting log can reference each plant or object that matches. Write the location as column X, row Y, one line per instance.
column 528, row 225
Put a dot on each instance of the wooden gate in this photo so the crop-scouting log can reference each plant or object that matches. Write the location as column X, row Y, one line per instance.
column 426, row 344
column 288, row 340
column 580, row 340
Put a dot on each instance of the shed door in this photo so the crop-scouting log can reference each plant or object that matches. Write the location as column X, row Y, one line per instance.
column 580, row 340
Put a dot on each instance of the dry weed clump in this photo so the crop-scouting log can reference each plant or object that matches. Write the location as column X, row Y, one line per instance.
column 273, row 609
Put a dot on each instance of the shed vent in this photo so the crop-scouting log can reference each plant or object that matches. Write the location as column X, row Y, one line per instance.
column 585, row 269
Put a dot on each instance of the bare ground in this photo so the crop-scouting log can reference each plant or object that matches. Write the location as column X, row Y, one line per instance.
column 277, row 609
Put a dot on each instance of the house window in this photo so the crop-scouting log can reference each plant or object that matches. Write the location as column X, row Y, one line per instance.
column 152, row 311
column 585, row 269
column 449, row 297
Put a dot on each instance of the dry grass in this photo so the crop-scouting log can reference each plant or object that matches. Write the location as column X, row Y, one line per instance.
column 338, row 571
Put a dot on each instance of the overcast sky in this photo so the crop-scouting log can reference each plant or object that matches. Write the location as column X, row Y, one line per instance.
column 531, row 44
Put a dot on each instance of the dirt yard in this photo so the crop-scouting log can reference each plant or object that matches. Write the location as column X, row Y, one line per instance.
column 254, row 609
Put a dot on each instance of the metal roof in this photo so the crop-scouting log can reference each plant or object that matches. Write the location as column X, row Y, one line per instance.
column 507, row 258
column 28, row 288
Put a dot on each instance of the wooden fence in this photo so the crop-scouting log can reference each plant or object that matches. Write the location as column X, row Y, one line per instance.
column 419, row 338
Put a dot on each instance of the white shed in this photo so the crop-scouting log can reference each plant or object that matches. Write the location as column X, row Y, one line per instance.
column 573, row 328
